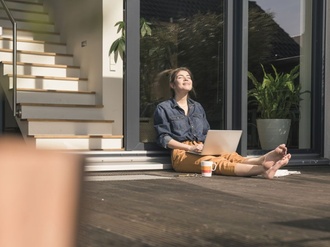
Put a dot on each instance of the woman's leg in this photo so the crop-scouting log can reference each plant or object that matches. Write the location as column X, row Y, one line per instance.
column 183, row 161
column 265, row 165
column 270, row 158
column 243, row 169
column 233, row 164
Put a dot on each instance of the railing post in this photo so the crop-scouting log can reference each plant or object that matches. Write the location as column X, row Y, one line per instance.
column 11, row 18
column 14, row 69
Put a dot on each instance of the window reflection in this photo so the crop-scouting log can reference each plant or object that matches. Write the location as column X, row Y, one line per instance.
column 184, row 33
column 280, row 35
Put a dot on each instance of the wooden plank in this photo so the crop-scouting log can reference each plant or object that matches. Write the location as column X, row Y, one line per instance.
column 216, row 211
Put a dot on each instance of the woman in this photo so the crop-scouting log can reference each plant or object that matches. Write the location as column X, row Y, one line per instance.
column 181, row 125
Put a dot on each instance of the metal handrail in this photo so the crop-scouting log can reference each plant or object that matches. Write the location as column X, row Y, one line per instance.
column 11, row 18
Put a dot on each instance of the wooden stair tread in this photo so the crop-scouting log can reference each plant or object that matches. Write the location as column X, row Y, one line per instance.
column 50, row 77
column 34, row 41
column 24, row 10
column 31, row 31
column 64, row 66
column 38, row 53
column 69, row 120
column 92, row 149
column 76, row 136
column 18, row 1
column 29, row 21
column 53, row 91
column 60, row 105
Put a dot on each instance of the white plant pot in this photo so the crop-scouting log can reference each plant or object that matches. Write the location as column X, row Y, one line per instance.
column 273, row 132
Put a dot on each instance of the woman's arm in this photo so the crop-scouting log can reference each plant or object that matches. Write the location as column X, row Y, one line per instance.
column 162, row 127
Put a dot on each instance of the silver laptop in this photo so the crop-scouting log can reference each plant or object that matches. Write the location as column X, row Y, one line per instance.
column 220, row 141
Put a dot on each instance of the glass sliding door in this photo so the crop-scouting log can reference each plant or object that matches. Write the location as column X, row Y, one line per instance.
column 183, row 33
column 280, row 37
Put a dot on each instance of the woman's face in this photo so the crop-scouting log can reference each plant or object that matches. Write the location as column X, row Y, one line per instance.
column 182, row 82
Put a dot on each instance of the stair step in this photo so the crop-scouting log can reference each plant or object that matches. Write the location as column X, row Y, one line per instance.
column 25, row 14
column 33, row 45
column 69, row 120
column 79, row 142
column 41, row 69
column 32, row 6
column 127, row 166
column 56, row 107
column 77, row 136
column 60, row 105
column 54, row 91
column 32, row 35
column 55, row 97
column 69, row 127
column 60, row 111
column 37, row 57
column 50, row 83
column 97, row 161
column 28, row 25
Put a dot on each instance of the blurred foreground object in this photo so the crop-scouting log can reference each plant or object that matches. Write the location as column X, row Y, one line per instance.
column 39, row 195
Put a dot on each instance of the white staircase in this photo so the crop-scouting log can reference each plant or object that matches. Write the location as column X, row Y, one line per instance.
column 57, row 110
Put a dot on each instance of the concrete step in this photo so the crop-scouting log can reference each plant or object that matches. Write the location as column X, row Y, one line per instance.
column 60, row 111
column 79, row 142
column 55, row 97
column 33, row 45
column 69, row 127
column 28, row 25
column 100, row 161
column 25, row 14
column 32, row 35
column 37, row 57
column 127, row 166
column 48, row 83
column 40, row 69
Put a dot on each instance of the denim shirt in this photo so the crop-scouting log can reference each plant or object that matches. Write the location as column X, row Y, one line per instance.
column 170, row 122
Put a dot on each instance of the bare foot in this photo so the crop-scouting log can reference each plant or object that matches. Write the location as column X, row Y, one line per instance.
column 273, row 156
column 280, row 163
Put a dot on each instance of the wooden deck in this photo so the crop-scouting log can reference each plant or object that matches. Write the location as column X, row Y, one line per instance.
column 172, row 210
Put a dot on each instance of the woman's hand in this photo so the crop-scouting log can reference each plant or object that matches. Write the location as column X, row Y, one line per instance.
column 197, row 147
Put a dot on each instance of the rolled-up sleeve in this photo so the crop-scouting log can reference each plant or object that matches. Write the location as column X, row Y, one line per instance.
column 162, row 127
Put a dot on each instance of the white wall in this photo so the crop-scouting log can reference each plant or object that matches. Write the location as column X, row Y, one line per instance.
column 78, row 21
column 92, row 21
column 112, row 72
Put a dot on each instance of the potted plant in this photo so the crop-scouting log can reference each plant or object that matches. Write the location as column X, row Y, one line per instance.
column 277, row 98
column 118, row 46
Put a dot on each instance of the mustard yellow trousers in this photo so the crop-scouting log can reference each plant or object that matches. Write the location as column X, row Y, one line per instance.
column 183, row 161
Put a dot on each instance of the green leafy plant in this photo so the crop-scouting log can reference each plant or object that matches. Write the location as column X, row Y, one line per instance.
column 118, row 46
column 277, row 96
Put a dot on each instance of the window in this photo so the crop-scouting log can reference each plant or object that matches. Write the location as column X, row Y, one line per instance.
column 184, row 33
column 280, row 35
